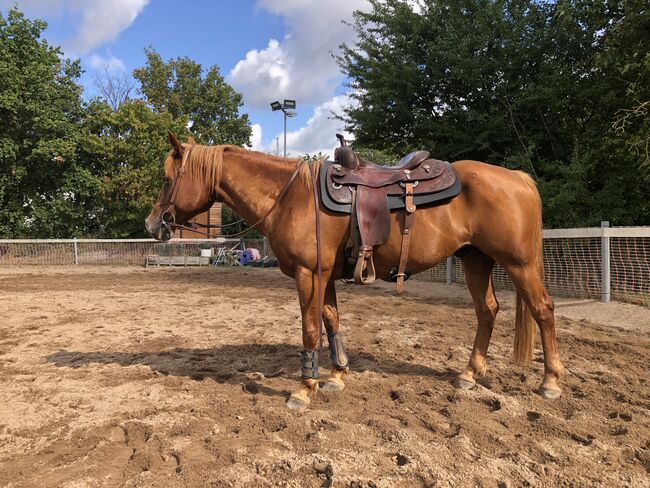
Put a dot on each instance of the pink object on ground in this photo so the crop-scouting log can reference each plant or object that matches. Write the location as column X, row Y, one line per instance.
column 255, row 254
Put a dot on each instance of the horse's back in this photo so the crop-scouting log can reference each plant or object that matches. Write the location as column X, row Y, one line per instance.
column 486, row 184
column 468, row 170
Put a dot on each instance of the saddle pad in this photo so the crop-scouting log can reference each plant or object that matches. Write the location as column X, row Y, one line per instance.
column 434, row 191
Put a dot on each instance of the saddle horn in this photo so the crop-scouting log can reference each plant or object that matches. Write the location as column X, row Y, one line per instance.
column 344, row 155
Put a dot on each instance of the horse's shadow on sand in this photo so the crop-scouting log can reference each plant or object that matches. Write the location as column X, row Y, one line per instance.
column 239, row 363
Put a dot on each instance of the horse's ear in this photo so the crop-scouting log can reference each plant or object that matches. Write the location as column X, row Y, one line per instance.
column 176, row 145
column 191, row 141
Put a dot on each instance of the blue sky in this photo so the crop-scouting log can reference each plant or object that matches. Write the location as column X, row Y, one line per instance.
column 267, row 50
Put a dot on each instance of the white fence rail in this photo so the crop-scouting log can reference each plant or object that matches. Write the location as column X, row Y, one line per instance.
column 120, row 252
column 602, row 262
column 597, row 262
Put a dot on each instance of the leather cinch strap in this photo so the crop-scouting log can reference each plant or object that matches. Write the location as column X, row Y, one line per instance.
column 409, row 212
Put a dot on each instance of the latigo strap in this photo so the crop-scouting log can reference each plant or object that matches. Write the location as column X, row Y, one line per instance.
column 409, row 213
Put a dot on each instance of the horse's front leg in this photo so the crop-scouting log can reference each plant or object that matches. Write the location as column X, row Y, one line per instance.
column 307, row 284
column 338, row 355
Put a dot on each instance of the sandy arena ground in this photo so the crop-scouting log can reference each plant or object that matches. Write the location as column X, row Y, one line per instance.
column 178, row 377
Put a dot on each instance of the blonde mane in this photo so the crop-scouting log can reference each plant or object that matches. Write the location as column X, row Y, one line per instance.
column 205, row 163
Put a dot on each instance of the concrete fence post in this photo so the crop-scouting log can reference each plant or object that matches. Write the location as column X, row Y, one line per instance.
column 605, row 263
column 76, row 251
column 450, row 270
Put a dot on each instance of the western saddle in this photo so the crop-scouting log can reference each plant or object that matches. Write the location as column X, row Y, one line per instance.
column 369, row 192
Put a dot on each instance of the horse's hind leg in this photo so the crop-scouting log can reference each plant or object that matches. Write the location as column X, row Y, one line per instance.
column 478, row 275
column 530, row 287
column 337, row 350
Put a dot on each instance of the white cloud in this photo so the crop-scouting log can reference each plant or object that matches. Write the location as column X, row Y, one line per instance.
column 256, row 137
column 416, row 5
column 300, row 66
column 109, row 63
column 265, row 68
column 103, row 21
column 319, row 135
column 99, row 21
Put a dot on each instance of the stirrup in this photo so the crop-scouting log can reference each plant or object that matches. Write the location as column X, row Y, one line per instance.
column 364, row 263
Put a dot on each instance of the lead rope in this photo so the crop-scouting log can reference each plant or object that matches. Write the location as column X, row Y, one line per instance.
column 313, row 171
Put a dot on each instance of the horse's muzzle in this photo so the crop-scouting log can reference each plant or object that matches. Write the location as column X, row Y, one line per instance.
column 158, row 229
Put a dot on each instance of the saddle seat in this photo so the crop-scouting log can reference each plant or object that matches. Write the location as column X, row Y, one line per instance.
column 368, row 192
column 345, row 156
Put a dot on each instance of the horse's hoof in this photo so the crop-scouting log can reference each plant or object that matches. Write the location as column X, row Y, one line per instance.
column 465, row 384
column 550, row 393
column 332, row 386
column 298, row 404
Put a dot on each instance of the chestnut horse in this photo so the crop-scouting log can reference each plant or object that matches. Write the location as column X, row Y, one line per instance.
column 495, row 218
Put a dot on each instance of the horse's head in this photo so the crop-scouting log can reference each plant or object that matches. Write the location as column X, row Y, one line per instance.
column 182, row 195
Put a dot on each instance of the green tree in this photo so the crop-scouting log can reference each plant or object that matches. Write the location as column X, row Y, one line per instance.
column 124, row 149
column 43, row 190
column 626, row 57
column 74, row 169
column 182, row 88
column 520, row 83
column 314, row 157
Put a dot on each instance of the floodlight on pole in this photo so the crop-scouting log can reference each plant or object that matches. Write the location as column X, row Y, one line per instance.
column 287, row 104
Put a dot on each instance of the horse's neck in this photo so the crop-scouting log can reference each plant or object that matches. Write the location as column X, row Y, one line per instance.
column 251, row 184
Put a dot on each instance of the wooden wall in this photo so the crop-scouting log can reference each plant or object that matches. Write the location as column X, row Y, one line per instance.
column 212, row 217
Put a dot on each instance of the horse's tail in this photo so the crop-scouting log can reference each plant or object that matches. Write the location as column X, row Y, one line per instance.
column 525, row 326
column 524, row 332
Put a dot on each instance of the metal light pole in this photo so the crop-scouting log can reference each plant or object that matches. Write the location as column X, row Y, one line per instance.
column 288, row 104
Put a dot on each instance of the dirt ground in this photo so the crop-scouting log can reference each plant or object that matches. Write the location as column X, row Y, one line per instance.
column 178, row 377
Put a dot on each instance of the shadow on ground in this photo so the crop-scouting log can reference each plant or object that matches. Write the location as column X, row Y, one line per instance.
column 234, row 363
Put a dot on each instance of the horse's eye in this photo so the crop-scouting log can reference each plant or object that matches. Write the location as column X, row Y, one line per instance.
column 167, row 180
